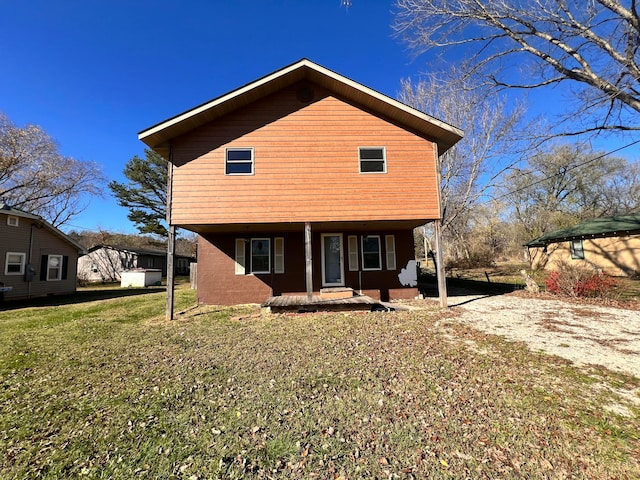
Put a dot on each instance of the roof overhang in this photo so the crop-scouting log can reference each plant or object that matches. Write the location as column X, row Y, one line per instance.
column 158, row 137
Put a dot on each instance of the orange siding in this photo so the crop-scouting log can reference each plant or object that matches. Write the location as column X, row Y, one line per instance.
column 306, row 166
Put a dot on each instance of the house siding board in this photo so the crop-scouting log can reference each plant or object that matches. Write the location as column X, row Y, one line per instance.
column 218, row 284
column 618, row 256
column 17, row 239
column 304, row 155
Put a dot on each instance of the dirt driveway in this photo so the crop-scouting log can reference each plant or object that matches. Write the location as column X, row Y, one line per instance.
column 584, row 334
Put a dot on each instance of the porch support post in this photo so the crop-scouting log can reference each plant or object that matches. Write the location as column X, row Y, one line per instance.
column 440, row 274
column 171, row 250
column 171, row 243
column 308, row 262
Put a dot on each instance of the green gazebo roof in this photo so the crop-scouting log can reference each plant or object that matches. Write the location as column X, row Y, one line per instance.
column 597, row 228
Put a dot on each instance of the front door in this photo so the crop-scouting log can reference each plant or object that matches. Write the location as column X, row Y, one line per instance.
column 332, row 266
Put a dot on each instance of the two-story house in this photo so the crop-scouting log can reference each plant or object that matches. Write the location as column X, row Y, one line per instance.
column 300, row 181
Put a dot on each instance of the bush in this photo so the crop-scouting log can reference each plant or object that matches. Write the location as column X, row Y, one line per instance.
column 573, row 281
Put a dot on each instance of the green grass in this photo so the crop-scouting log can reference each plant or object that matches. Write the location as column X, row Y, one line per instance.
column 109, row 389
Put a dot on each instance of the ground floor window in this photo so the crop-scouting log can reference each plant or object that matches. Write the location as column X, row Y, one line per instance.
column 371, row 253
column 577, row 249
column 260, row 255
column 54, row 268
column 390, row 247
column 14, row 263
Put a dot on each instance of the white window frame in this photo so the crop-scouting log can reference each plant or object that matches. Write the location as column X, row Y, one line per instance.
column 576, row 254
column 278, row 254
column 364, row 267
column 13, row 221
column 227, row 162
column 390, row 251
column 261, row 272
column 352, row 246
column 241, row 256
column 58, row 277
column 383, row 160
column 23, row 259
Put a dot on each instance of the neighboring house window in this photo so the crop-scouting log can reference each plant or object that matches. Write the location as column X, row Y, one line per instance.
column 260, row 255
column 278, row 254
column 371, row 257
column 240, row 256
column 13, row 221
column 54, row 268
column 390, row 248
column 577, row 250
column 352, row 244
column 373, row 160
column 239, row 161
column 14, row 264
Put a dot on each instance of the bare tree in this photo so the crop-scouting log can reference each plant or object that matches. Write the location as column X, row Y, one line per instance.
column 35, row 177
column 590, row 44
column 567, row 184
column 468, row 170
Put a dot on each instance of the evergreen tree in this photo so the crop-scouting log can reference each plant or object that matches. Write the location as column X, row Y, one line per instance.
column 145, row 195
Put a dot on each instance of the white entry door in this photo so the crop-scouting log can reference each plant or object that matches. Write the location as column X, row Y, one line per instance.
column 332, row 264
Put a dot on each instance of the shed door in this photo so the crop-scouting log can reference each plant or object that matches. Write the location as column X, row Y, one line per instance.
column 332, row 264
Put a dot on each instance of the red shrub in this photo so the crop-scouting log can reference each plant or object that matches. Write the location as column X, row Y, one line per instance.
column 574, row 281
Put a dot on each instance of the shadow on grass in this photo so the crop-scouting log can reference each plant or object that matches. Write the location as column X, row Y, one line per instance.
column 81, row 296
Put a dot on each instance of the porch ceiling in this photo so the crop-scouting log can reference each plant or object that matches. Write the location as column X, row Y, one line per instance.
column 367, row 226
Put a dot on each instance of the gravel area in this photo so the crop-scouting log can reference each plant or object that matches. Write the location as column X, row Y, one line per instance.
column 583, row 334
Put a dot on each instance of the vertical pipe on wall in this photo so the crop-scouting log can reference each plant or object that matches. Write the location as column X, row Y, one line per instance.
column 308, row 262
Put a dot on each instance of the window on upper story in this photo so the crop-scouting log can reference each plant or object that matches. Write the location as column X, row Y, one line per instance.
column 373, row 160
column 14, row 263
column 577, row 249
column 239, row 161
column 13, row 221
column 371, row 253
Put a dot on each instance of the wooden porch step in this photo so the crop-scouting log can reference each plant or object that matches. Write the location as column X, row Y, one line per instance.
column 336, row 292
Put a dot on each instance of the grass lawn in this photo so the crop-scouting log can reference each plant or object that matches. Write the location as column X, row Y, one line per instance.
column 109, row 389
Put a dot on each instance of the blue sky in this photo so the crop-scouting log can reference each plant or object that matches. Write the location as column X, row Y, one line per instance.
column 93, row 73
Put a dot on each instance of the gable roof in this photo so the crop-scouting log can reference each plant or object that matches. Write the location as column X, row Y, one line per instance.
column 158, row 136
column 15, row 212
column 615, row 226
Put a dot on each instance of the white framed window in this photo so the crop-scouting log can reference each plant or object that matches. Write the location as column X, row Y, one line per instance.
column 260, row 255
column 240, row 256
column 390, row 251
column 239, row 161
column 352, row 245
column 371, row 255
column 278, row 255
column 14, row 263
column 54, row 268
column 577, row 249
column 373, row 160
column 13, row 221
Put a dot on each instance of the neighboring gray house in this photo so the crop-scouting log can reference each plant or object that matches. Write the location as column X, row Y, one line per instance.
column 36, row 259
column 104, row 263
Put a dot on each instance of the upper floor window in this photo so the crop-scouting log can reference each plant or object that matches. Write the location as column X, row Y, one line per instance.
column 13, row 221
column 373, row 160
column 14, row 263
column 239, row 161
